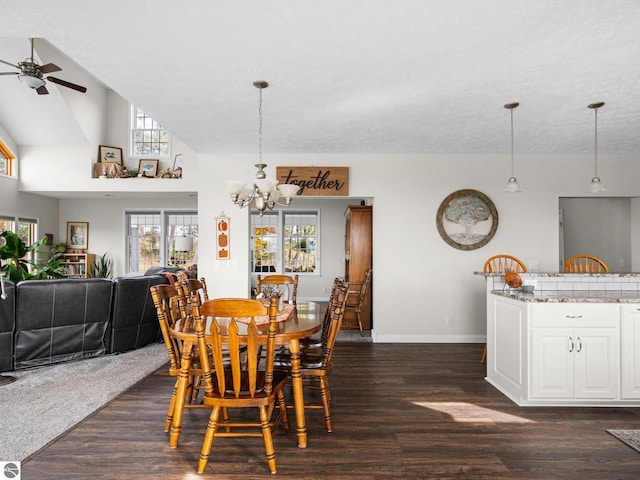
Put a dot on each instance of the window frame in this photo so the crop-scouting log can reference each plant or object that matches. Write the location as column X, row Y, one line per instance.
column 281, row 218
column 133, row 116
column 164, row 239
column 9, row 160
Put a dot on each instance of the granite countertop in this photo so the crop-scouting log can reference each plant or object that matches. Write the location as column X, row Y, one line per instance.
column 571, row 296
column 561, row 274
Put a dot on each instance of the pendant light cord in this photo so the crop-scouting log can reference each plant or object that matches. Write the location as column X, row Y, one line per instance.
column 260, row 127
column 512, row 166
column 595, row 145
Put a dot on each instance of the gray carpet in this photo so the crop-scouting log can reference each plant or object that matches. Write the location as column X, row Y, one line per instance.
column 630, row 437
column 45, row 402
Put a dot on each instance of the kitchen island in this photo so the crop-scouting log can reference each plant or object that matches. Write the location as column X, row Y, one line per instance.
column 579, row 346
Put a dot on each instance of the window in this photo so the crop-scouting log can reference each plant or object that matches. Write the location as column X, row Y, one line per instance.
column 285, row 241
column 148, row 138
column 151, row 239
column 6, row 160
column 26, row 228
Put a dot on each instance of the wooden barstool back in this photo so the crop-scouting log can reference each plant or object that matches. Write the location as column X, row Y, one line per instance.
column 236, row 378
column 503, row 263
column 584, row 263
column 288, row 286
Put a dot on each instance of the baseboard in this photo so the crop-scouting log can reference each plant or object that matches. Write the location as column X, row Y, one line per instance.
column 391, row 338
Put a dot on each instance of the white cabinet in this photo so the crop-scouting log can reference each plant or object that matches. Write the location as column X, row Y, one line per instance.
column 562, row 353
column 574, row 363
column 630, row 351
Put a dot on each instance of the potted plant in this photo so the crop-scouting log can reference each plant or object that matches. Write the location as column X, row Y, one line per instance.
column 17, row 266
column 102, row 266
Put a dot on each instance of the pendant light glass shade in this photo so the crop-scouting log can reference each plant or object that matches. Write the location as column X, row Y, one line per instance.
column 596, row 185
column 512, row 184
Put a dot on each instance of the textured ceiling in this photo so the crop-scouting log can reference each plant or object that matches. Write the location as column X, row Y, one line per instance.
column 353, row 76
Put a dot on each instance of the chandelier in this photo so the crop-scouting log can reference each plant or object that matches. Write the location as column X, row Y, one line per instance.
column 512, row 184
column 596, row 185
column 264, row 192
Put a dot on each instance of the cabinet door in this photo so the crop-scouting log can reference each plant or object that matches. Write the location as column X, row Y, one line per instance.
column 595, row 363
column 552, row 362
column 630, row 355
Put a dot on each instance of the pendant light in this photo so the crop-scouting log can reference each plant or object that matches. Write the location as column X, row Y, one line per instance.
column 596, row 185
column 512, row 184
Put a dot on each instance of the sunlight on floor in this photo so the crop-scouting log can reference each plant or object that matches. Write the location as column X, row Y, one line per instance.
column 467, row 412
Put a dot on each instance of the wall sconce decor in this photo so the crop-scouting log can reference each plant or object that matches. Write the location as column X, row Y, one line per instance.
column 222, row 238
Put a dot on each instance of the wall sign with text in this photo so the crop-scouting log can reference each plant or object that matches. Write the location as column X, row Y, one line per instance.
column 316, row 181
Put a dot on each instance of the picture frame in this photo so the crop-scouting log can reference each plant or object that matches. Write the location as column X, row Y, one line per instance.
column 148, row 168
column 177, row 166
column 109, row 154
column 78, row 235
column 467, row 219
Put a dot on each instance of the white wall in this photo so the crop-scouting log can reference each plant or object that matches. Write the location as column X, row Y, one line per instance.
column 419, row 280
column 107, row 224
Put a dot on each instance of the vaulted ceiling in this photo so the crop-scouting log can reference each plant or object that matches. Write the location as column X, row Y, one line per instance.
column 357, row 76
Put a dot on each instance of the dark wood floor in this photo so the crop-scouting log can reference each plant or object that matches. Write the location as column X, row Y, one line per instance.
column 400, row 412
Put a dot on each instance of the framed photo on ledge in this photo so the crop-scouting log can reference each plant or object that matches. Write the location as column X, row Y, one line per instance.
column 78, row 235
column 109, row 154
column 148, row 168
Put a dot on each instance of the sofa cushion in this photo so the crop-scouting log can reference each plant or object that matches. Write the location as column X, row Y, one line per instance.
column 134, row 322
column 60, row 320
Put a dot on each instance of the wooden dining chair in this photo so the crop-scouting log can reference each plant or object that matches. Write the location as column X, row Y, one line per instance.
column 583, row 263
column 357, row 297
column 170, row 306
column 314, row 343
column 501, row 263
column 235, row 377
column 197, row 286
column 316, row 365
column 286, row 284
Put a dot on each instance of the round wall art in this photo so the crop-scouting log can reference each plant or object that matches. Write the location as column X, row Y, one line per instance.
column 467, row 219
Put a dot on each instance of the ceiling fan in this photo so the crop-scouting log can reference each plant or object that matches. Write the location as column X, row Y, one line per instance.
column 32, row 75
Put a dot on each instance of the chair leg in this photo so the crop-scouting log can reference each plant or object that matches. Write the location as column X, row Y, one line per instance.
column 484, row 354
column 326, row 395
column 360, row 324
column 268, row 439
column 212, row 426
column 283, row 411
column 172, row 405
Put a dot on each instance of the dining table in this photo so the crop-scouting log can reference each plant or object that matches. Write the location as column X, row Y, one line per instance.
column 294, row 322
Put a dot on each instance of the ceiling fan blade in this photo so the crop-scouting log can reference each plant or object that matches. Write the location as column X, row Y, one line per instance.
column 9, row 73
column 10, row 64
column 42, row 90
column 49, row 67
column 64, row 83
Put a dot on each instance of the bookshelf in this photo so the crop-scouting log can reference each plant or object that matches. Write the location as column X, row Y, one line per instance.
column 77, row 265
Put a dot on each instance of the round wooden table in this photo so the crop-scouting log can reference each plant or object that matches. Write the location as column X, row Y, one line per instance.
column 302, row 322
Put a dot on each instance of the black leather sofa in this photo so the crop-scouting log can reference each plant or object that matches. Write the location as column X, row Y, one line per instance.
column 134, row 321
column 49, row 321
column 7, row 321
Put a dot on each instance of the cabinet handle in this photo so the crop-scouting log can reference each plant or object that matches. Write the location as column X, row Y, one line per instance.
column 579, row 345
column 571, row 345
column 573, row 316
